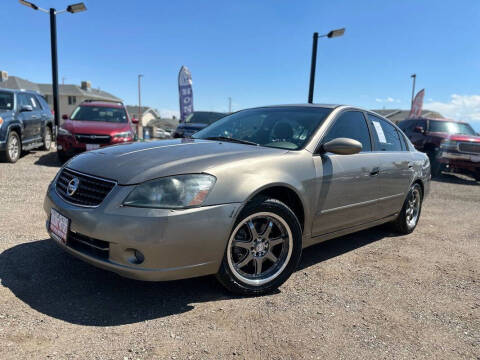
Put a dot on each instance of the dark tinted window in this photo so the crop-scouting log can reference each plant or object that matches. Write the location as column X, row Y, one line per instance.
column 203, row 117
column 406, row 125
column 385, row 135
column 6, row 100
column 99, row 113
column 350, row 124
column 451, row 127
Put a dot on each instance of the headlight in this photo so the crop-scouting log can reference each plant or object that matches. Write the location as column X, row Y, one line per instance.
column 126, row 134
column 173, row 192
column 65, row 132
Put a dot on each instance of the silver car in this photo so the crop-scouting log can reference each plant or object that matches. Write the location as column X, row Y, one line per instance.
column 241, row 199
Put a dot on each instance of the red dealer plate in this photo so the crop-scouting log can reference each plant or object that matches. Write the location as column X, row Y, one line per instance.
column 59, row 226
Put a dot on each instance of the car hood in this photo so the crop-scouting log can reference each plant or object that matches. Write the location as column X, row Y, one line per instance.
column 459, row 137
column 137, row 162
column 94, row 127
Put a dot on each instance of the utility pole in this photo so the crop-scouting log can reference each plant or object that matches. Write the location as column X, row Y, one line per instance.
column 139, row 124
column 230, row 105
column 413, row 76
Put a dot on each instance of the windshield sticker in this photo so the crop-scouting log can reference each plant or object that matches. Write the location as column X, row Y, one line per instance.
column 379, row 130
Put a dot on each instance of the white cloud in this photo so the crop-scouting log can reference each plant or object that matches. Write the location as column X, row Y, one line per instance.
column 460, row 107
column 387, row 100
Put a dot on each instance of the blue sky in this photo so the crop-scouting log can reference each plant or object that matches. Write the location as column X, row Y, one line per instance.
column 258, row 52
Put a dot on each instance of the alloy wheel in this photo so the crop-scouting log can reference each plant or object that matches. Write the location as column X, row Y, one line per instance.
column 13, row 148
column 413, row 207
column 259, row 248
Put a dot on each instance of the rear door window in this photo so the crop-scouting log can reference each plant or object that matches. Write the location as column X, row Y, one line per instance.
column 385, row 135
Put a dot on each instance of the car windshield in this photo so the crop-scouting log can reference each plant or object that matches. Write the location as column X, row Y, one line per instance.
column 203, row 117
column 6, row 100
column 99, row 113
column 451, row 127
column 279, row 127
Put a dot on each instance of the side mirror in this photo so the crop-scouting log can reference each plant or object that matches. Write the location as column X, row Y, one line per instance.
column 342, row 146
column 419, row 129
column 26, row 108
column 65, row 117
column 134, row 120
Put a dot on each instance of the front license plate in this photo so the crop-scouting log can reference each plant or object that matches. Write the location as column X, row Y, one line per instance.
column 92, row 146
column 59, row 226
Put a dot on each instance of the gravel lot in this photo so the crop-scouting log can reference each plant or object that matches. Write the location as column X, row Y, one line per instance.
column 370, row 295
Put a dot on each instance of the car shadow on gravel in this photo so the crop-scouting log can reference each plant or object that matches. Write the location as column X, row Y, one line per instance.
column 47, row 159
column 451, row 178
column 56, row 284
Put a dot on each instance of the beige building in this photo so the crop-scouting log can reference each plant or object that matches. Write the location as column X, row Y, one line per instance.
column 147, row 114
column 69, row 95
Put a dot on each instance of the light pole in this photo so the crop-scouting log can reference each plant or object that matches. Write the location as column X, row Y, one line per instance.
column 139, row 124
column 74, row 8
column 414, row 77
column 229, row 105
column 331, row 34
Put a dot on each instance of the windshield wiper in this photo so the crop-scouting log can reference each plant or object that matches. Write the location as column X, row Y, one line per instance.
column 225, row 138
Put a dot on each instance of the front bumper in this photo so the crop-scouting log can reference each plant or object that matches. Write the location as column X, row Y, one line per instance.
column 176, row 244
column 3, row 145
column 460, row 161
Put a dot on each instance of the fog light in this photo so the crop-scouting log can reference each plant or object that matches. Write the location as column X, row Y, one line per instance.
column 135, row 256
column 59, row 147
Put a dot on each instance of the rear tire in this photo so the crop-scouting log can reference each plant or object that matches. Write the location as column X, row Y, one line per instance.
column 47, row 139
column 408, row 218
column 13, row 148
column 435, row 166
column 263, row 250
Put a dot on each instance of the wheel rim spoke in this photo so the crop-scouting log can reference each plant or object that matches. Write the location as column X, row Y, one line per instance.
column 268, row 230
column 245, row 261
column 276, row 241
column 270, row 256
column 242, row 244
column 253, row 231
column 258, row 265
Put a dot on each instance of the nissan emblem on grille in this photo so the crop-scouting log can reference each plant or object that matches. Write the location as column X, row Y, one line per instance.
column 72, row 186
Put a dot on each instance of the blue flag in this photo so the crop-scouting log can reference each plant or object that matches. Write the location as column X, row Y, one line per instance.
column 185, row 92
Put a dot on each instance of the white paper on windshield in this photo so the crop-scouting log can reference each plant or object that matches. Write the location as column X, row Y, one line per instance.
column 379, row 130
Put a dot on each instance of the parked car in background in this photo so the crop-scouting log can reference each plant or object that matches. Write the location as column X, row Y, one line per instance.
column 94, row 124
column 241, row 198
column 26, row 123
column 450, row 145
column 196, row 121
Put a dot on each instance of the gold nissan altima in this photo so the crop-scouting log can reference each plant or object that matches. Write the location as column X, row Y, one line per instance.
column 241, row 198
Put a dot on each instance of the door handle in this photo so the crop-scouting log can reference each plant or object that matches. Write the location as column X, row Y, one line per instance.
column 375, row 171
column 34, row 117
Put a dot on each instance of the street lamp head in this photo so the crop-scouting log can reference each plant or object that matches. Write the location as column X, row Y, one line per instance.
column 413, row 75
column 336, row 33
column 76, row 8
column 29, row 4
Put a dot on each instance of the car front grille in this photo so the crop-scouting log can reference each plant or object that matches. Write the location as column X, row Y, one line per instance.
column 86, row 245
column 92, row 139
column 90, row 190
column 469, row 147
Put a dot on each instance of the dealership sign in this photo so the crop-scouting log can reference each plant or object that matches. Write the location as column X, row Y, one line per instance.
column 185, row 92
column 417, row 105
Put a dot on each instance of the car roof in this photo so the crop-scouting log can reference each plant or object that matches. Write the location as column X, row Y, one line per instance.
column 102, row 104
column 329, row 106
column 21, row 91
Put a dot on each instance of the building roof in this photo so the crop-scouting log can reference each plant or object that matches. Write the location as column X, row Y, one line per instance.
column 133, row 110
column 74, row 90
column 396, row 115
column 17, row 83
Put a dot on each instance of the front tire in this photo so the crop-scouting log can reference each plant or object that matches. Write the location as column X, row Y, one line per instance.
column 14, row 148
column 263, row 250
column 408, row 218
